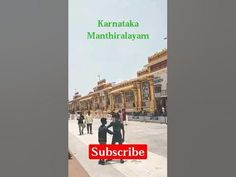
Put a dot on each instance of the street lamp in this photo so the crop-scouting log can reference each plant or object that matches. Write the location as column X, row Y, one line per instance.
column 98, row 77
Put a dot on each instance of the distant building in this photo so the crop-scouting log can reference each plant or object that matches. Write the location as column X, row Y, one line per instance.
column 148, row 91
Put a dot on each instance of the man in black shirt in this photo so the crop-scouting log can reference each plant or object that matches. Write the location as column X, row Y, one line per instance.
column 102, row 136
column 118, row 127
column 81, row 123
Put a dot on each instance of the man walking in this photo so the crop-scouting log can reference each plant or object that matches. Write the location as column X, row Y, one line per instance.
column 80, row 120
column 164, row 114
column 89, row 122
column 124, row 116
column 121, row 116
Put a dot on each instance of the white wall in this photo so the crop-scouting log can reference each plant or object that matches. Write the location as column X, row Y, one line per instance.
column 163, row 75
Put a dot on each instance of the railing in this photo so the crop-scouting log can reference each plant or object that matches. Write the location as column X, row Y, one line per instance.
column 157, row 119
column 163, row 93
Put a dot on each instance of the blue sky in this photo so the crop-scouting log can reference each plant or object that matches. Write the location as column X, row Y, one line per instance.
column 114, row 60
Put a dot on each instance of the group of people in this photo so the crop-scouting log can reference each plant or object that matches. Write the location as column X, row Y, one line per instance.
column 84, row 121
column 118, row 133
column 87, row 120
column 122, row 115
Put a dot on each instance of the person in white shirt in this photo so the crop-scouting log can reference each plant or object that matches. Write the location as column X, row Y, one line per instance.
column 163, row 111
column 89, row 122
column 164, row 114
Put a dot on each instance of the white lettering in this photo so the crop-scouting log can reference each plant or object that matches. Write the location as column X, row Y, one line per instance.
column 141, row 153
column 94, row 151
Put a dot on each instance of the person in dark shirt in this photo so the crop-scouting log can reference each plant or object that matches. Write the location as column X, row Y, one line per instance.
column 102, row 136
column 81, row 123
column 112, row 113
column 118, row 127
column 124, row 116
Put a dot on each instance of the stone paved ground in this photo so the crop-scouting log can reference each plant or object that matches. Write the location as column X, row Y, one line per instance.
column 152, row 134
column 75, row 169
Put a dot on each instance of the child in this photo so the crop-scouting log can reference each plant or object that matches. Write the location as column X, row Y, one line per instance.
column 102, row 136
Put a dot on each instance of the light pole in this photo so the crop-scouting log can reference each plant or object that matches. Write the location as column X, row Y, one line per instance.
column 98, row 77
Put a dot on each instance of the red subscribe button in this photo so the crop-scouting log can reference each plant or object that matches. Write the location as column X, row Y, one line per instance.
column 121, row 151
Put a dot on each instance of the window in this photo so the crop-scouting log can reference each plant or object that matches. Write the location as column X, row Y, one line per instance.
column 158, row 89
column 129, row 96
column 118, row 98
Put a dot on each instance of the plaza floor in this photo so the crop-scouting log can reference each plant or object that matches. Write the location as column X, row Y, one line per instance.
column 152, row 134
column 75, row 169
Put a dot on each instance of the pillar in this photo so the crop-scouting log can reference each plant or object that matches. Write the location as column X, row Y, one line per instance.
column 123, row 99
column 111, row 102
column 139, row 98
column 135, row 90
column 152, row 96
